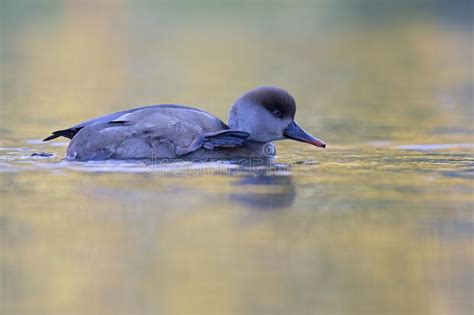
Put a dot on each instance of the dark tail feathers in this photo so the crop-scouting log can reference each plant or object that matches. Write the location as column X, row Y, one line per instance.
column 67, row 133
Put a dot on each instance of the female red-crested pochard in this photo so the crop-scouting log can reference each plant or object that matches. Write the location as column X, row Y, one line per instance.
column 257, row 118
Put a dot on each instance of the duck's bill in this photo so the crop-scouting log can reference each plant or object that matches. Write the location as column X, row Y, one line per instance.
column 297, row 133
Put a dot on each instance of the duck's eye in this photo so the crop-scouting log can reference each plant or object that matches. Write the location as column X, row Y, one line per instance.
column 276, row 113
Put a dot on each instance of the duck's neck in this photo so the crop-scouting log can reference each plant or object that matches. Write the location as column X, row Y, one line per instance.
column 233, row 121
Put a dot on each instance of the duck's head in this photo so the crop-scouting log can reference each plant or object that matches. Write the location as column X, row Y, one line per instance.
column 268, row 114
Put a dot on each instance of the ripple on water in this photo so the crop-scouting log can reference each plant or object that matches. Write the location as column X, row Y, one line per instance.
column 38, row 157
column 437, row 146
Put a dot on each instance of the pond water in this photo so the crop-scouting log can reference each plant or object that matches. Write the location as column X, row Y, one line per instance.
column 381, row 221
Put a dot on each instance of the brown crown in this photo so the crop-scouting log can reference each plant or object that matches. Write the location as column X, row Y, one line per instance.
column 273, row 99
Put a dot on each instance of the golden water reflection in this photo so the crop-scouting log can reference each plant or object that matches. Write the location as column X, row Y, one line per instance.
column 366, row 226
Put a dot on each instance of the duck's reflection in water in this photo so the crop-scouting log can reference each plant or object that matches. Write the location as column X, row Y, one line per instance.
column 265, row 192
column 186, row 186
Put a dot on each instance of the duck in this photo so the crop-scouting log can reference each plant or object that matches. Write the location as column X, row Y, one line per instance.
column 167, row 131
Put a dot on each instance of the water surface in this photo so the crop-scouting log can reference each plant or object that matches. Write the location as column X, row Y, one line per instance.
column 379, row 222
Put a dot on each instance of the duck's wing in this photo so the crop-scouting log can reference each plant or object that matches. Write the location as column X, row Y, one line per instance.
column 116, row 117
column 228, row 138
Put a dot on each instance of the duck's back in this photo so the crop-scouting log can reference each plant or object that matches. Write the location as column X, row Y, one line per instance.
column 157, row 131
